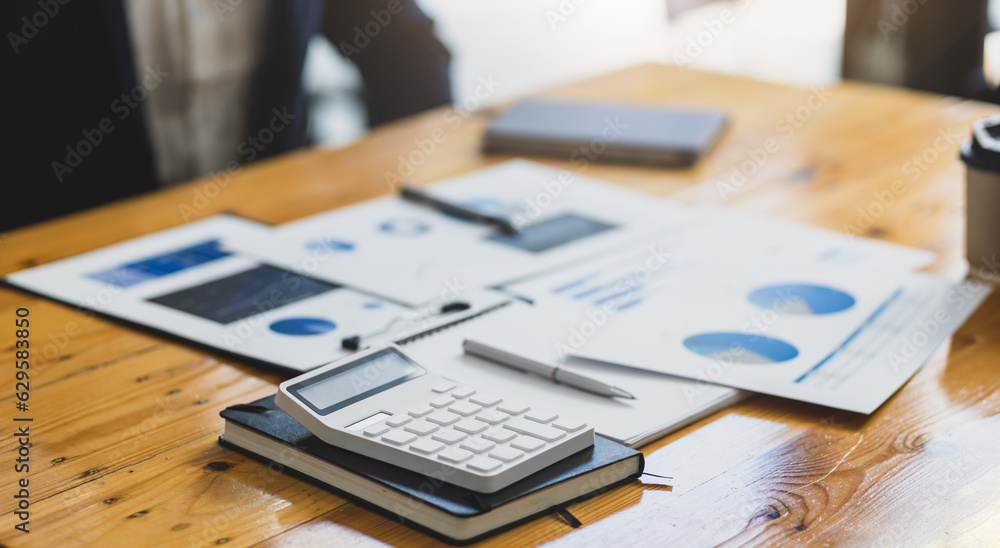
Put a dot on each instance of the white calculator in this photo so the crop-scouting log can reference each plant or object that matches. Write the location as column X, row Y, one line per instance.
column 382, row 404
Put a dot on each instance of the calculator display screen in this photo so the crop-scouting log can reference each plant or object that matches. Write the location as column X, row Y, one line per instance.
column 356, row 381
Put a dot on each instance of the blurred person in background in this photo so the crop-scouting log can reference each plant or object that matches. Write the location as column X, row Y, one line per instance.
column 111, row 98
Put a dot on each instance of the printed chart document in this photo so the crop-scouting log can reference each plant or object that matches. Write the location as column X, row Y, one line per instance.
column 701, row 242
column 753, row 303
column 187, row 282
column 863, row 371
column 413, row 254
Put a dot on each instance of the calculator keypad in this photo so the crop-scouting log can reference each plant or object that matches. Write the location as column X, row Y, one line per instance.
column 455, row 455
column 477, row 445
column 541, row 416
column 476, row 430
column 484, row 464
column 513, row 407
column 470, row 426
column 444, row 418
column 465, row 408
column 421, row 411
column 421, row 428
column 449, row 436
column 444, row 387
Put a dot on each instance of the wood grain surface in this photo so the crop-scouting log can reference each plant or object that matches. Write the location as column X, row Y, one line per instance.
column 124, row 449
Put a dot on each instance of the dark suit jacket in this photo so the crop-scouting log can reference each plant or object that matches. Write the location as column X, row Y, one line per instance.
column 75, row 138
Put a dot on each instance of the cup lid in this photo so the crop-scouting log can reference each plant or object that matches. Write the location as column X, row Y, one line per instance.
column 982, row 150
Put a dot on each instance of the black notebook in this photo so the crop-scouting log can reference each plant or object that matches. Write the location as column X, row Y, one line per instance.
column 446, row 511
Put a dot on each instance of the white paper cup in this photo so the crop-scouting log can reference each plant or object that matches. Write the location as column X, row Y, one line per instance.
column 981, row 154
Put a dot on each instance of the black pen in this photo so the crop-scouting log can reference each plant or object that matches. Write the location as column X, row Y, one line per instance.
column 418, row 196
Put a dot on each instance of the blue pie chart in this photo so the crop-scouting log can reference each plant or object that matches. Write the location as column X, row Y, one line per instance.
column 303, row 326
column 741, row 347
column 804, row 299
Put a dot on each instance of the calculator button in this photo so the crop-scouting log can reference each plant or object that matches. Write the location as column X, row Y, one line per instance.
column 506, row 454
column 478, row 446
column 486, row 399
column 398, row 420
column 398, row 437
column 443, row 387
column 513, row 407
column 470, row 426
column 426, row 446
column 463, row 392
column 500, row 435
column 454, row 455
column 376, row 430
column 443, row 401
column 449, row 436
column 526, row 443
column 569, row 425
column 465, row 408
column 420, row 411
column 442, row 417
column 540, row 431
column 484, row 464
column 492, row 417
column 541, row 416
column 420, row 428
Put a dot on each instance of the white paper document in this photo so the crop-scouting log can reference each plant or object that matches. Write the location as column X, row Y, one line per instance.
column 744, row 301
column 710, row 239
column 413, row 254
column 186, row 282
column 868, row 365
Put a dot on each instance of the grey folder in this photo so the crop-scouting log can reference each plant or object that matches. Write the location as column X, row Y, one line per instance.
column 605, row 132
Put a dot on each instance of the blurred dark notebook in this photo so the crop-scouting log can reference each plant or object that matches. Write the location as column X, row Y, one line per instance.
column 605, row 132
column 448, row 512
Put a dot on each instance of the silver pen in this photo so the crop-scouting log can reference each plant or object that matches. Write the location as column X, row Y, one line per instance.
column 554, row 372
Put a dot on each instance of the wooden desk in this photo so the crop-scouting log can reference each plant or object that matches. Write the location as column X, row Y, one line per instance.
column 125, row 424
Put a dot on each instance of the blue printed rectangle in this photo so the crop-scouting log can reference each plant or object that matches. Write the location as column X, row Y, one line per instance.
column 131, row 274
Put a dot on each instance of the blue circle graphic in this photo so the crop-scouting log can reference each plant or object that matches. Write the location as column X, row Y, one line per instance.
column 404, row 227
column 303, row 326
column 741, row 347
column 805, row 299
